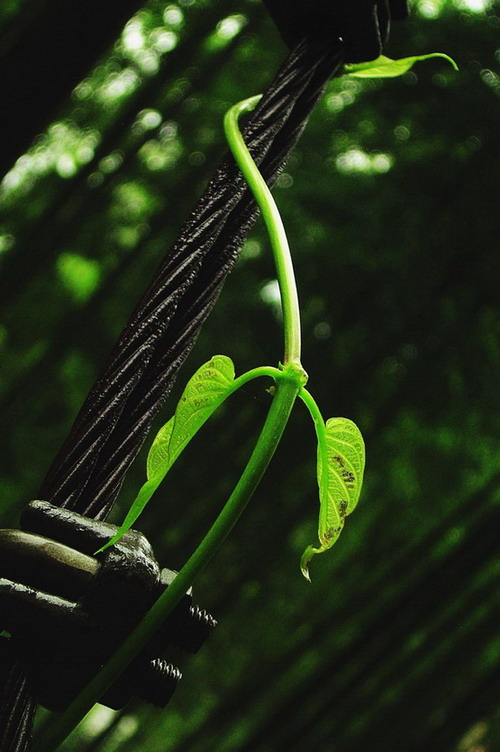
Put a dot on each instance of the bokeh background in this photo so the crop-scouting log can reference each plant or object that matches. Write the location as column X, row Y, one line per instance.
column 392, row 213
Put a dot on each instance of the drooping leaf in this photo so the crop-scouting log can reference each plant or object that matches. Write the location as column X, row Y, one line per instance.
column 343, row 449
column 346, row 456
column 385, row 67
column 204, row 393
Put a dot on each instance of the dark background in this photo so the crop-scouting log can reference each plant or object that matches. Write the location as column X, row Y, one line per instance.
column 391, row 210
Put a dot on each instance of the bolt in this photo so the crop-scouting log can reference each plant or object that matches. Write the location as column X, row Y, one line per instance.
column 196, row 629
column 157, row 681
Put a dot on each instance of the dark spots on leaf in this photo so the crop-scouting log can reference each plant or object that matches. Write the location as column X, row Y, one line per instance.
column 200, row 402
column 348, row 478
column 339, row 460
column 343, row 507
column 332, row 532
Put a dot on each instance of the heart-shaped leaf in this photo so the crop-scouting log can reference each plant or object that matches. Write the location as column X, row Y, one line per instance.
column 341, row 463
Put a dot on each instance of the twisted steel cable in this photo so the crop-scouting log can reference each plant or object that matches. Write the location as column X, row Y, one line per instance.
column 89, row 470
column 185, row 324
column 113, row 423
column 17, row 707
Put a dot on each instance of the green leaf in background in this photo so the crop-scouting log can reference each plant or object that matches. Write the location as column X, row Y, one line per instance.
column 204, row 393
column 385, row 67
column 79, row 275
column 339, row 485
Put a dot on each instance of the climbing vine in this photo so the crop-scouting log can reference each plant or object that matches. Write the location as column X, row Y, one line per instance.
column 340, row 446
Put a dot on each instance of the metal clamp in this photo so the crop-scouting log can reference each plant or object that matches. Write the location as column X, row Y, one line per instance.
column 67, row 610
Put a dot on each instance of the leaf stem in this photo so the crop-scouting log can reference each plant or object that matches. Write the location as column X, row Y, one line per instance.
column 287, row 388
column 320, row 428
column 312, row 406
column 323, row 482
column 275, row 228
column 255, row 373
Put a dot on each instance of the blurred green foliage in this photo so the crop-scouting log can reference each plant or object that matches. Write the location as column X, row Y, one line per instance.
column 390, row 206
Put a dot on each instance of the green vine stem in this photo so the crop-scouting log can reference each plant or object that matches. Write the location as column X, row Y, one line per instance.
column 286, row 391
column 289, row 381
column 275, row 228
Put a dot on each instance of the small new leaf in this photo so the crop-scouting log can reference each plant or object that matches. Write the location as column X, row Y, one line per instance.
column 341, row 464
column 385, row 67
column 204, row 393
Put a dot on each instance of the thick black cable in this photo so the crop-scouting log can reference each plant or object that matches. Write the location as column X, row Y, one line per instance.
column 113, row 422
column 16, row 707
column 194, row 308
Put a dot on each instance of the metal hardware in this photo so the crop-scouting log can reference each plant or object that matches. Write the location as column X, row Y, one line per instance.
column 67, row 610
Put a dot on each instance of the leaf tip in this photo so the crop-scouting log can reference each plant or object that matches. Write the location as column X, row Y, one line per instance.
column 304, row 562
column 444, row 56
column 110, row 543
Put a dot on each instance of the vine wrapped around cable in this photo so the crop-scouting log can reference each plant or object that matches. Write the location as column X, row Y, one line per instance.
column 341, row 451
